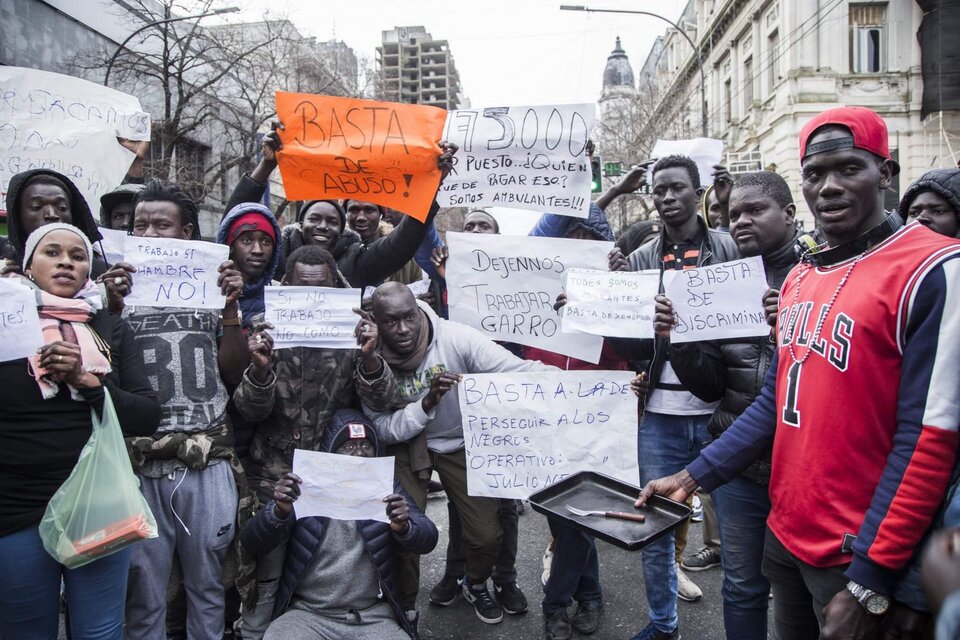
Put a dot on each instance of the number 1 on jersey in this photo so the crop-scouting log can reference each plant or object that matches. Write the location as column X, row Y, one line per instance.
column 791, row 415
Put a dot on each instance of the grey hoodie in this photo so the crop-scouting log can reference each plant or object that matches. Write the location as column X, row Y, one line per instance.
column 453, row 347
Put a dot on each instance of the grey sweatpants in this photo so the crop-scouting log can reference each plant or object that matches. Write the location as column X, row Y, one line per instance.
column 269, row 570
column 195, row 513
column 376, row 623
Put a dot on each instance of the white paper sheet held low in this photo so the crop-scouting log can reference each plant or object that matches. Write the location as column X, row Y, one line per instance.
column 317, row 317
column 113, row 244
column 20, row 334
column 718, row 301
column 175, row 273
column 611, row 303
column 342, row 487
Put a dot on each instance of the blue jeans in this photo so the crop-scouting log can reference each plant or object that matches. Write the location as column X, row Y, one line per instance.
column 30, row 591
column 665, row 445
column 574, row 571
column 742, row 509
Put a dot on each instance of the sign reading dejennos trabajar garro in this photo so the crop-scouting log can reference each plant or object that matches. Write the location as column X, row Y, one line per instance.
column 506, row 287
column 523, row 433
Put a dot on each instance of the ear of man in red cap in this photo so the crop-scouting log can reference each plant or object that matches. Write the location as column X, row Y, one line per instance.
column 860, row 402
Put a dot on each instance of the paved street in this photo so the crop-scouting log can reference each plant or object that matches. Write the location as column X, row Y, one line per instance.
column 620, row 573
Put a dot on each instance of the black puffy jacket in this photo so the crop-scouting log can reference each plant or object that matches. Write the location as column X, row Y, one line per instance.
column 305, row 536
column 732, row 371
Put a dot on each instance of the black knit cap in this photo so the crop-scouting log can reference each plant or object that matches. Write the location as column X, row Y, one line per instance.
column 305, row 206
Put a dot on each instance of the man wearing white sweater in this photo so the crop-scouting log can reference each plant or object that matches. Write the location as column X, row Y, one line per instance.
column 428, row 355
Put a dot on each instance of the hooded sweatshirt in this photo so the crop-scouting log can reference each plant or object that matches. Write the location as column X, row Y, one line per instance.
column 251, row 300
column 79, row 211
column 944, row 182
column 452, row 347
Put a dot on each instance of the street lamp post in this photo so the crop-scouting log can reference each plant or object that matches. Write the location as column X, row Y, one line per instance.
column 696, row 49
column 123, row 44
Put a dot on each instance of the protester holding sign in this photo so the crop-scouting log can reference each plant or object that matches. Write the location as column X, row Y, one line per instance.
column 732, row 371
column 671, row 410
column 427, row 355
column 339, row 580
column 291, row 395
column 251, row 231
column 324, row 223
column 185, row 471
column 45, row 421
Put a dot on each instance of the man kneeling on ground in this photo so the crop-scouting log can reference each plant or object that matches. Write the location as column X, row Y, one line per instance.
column 314, row 601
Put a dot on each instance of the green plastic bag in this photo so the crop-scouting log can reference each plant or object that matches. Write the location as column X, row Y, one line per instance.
column 99, row 508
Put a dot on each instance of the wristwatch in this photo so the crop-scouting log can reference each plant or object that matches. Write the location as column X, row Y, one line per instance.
column 876, row 604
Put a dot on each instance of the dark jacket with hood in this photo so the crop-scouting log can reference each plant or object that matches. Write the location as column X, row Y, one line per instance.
column 732, row 371
column 251, row 300
column 944, row 182
column 650, row 355
column 305, row 536
column 79, row 211
column 361, row 265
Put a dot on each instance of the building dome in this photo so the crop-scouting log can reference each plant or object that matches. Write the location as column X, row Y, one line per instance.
column 618, row 72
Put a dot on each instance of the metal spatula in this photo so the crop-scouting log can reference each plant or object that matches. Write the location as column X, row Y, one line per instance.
column 622, row 515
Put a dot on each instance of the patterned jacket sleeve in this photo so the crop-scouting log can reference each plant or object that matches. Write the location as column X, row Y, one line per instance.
column 255, row 401
column 379, row 392
column 918, row 468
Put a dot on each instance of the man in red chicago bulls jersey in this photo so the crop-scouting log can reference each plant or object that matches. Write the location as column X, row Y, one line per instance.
column 861, row 405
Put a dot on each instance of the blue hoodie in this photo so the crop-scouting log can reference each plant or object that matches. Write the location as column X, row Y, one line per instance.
column 251, row 300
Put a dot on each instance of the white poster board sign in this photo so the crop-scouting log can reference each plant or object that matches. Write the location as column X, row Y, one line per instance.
column 706, row 152
column 318, row 317
column 506, row 287
column 342, row 487
column 58, row 122
column 611, row 303
column 718, row 301
column 20, row 334
column 520, row 157
column 112, row 244
column 175, row 273
column 524, row 433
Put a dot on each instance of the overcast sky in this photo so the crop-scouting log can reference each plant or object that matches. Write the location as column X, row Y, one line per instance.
column 508, row 52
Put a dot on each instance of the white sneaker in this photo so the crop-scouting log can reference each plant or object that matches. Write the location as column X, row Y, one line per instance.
column 686, row 589
column 547, row 561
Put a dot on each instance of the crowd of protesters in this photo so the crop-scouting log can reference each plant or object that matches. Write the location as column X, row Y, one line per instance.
column 825, row 454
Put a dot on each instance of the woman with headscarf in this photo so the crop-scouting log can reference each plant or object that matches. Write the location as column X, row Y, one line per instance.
column 45, row 421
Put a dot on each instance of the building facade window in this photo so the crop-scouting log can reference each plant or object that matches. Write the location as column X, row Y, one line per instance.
column 747, row 84
column 773, row 59
column 868, row 37
column 728, row 100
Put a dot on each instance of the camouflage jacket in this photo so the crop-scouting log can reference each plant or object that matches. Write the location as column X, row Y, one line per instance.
column 295, row 405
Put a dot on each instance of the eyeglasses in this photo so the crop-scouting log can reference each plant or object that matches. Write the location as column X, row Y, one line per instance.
column 351, row 446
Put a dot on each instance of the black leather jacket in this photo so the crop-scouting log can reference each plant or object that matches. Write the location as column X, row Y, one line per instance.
column 732, row 371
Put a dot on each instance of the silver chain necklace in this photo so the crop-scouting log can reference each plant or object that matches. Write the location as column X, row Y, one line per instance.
column 805, row 266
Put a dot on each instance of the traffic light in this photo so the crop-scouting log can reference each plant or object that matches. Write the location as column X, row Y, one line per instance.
column 596, row 184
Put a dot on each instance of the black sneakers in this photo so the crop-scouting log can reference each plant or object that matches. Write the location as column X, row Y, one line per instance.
column 511, row 598
column 488, row 609
column 445, row 592
column 705, row 558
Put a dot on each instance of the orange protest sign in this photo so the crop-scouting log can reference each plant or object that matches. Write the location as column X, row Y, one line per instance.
column 381, row 152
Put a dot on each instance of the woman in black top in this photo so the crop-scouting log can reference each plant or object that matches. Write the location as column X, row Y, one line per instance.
column 45, row 420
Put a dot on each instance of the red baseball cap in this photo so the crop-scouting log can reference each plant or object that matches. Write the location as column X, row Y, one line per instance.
column 868, row 132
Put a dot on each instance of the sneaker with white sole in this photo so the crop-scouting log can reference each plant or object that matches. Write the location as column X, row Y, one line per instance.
column 686, row 589
column 511, row 598
column 487, row 608
column 705, row 558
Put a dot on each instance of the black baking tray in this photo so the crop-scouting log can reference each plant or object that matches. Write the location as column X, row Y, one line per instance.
column 598, row 492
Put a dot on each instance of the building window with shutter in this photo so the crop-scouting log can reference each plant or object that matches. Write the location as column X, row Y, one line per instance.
column 747, row 84
column 868, row 37
column 773, row 59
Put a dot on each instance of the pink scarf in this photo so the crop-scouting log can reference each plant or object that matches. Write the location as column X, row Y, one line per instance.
column 68, row 319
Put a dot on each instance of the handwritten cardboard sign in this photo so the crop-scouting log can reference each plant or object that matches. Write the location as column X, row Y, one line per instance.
column 718, row 301
column 611, row 303
column 382, row 152
column 53, row 121
column 506, row 287
column 319, row 317
column 175, row 273
column 524, row 433
column 342, row 487
column 20, row 334
column 706, row 152
column 520, row 157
